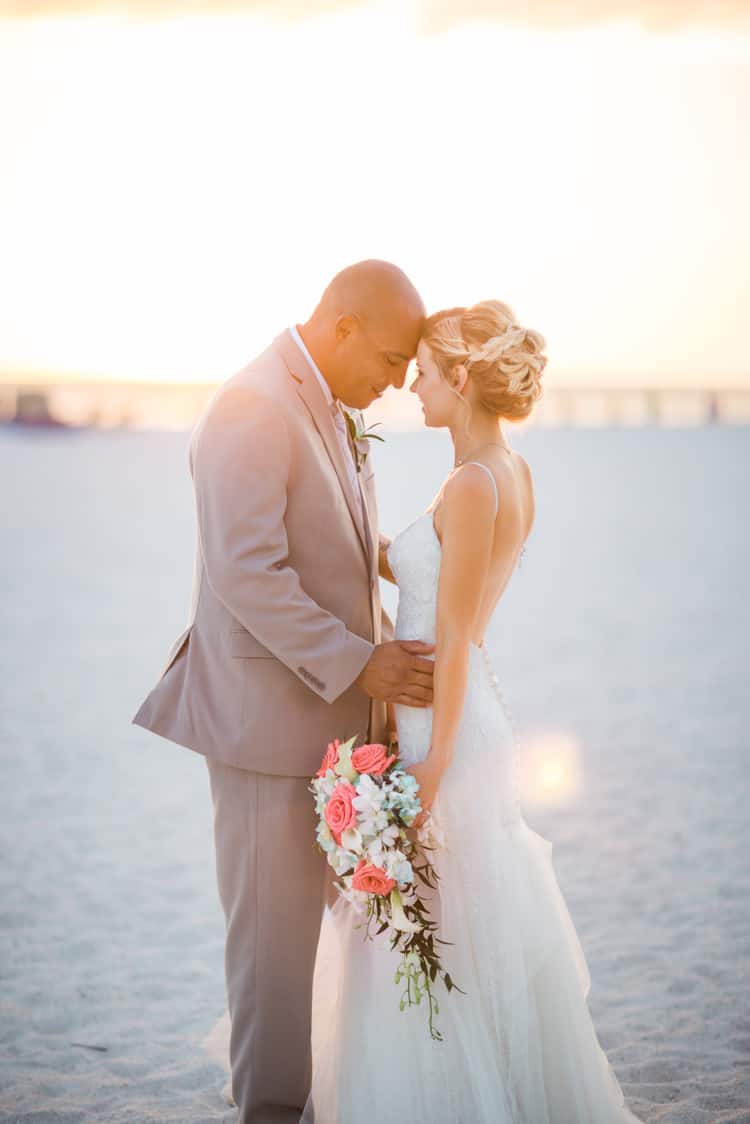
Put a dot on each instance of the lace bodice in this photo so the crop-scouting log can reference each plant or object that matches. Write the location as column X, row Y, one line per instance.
column 415, row 556
column 486, row 722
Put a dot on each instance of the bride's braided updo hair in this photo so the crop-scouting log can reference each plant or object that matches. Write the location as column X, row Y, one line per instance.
column 504, row 360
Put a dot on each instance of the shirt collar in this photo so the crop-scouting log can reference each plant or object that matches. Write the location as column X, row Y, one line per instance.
column 315, row 369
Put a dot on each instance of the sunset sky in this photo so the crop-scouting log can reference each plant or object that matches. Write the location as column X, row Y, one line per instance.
column 180, row 181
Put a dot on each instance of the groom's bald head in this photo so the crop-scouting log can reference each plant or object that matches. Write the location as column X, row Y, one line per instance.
column 377, row 291
column 365, row 330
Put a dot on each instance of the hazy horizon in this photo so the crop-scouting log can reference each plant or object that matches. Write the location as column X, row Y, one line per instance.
column 566, row 381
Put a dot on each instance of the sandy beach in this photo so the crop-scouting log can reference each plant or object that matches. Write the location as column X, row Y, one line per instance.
column 629, row 621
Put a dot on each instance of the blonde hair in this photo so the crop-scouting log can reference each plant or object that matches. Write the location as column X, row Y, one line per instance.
column 504, row 360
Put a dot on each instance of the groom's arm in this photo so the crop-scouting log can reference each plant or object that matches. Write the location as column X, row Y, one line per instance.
column 240, row 463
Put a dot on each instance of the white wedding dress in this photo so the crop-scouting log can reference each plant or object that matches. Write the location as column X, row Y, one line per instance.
column 519, row 1047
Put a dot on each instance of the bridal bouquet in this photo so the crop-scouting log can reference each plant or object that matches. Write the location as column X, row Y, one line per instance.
column 365, row 802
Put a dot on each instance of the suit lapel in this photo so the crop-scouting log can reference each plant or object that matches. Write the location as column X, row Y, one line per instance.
column 311, row 393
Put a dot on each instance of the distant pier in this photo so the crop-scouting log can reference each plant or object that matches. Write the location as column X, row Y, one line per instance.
column 643, row 405
column 156, row 405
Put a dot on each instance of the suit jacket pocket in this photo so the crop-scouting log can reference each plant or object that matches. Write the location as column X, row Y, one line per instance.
column 243, row 645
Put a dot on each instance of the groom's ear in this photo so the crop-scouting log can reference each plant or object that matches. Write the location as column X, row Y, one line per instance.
column 344, row 327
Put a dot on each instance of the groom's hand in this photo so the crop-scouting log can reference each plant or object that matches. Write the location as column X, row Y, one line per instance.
column 397, row 672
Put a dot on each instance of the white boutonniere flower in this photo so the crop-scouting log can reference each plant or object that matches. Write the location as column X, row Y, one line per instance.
column 361, row 438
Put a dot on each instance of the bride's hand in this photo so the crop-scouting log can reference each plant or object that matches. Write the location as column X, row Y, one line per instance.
column 428, row 778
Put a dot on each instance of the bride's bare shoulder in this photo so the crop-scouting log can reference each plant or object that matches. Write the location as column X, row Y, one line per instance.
column 469, row 499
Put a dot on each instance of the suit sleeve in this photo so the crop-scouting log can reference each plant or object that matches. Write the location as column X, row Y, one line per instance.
column 240, row 461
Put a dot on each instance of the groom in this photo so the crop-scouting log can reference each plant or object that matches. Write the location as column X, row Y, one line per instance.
column 283, row 652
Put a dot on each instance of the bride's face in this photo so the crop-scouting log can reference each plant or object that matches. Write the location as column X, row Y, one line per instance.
column 440, row 404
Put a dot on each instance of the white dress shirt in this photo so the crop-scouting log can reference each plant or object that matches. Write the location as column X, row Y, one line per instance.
column 339, row 420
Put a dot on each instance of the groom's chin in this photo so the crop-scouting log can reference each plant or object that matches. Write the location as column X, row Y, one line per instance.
column 361, row 401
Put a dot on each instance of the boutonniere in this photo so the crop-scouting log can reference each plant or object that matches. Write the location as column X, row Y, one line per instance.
column 361, row 439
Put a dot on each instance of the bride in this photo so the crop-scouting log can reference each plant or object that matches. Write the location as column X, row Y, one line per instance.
column 519, row 1045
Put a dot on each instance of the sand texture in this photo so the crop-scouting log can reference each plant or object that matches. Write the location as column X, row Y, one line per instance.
column 629, row 622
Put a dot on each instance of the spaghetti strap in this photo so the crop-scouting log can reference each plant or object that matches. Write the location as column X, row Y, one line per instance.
column 491, row 475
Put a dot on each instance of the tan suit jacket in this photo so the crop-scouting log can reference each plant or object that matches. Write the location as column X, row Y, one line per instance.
column 286, row 601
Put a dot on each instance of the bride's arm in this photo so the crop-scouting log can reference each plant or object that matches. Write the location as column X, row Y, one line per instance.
column 467, row 533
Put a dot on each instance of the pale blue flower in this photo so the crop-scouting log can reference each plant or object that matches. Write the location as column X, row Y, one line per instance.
column 344, row 861
column 398, row 867
column 326, row 842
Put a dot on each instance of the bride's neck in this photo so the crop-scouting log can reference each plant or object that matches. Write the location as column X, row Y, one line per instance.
column 484, row 431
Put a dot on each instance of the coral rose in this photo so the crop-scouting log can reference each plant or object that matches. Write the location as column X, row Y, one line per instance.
column 330, row 759
column 372, row 759
column 339, row 812
column 372, row 879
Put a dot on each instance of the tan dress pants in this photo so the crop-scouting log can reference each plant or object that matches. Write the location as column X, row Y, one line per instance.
column 272, row 884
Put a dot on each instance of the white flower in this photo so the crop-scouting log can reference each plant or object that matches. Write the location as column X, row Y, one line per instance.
column 398, row 917
column 390, row 834
column 370, row 796
column 325, row 785
column 352, row 840
column 373, row 824
column 368, row 803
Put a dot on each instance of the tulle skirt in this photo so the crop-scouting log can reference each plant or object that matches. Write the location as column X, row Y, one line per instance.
column 519, row 1046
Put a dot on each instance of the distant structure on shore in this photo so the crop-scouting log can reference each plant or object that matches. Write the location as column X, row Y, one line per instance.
column 644, row 405
column 177, row 406
column 33, row 410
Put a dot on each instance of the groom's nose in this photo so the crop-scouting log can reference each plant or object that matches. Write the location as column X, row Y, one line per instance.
column 399, row 377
